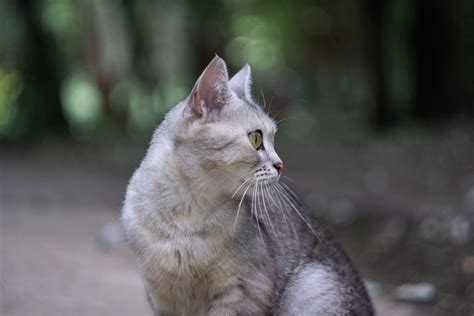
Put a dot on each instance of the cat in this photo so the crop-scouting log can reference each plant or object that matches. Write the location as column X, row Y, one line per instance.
column 215, row 231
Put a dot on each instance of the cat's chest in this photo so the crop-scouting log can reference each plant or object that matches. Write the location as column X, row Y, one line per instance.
column 181, row 244
column 186, row 270
column 182, row 247
column 183, row 255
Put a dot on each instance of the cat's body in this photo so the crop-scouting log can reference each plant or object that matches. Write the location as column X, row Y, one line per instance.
column 213, row 230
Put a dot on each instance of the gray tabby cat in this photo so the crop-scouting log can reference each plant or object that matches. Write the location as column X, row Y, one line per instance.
column 214, row 231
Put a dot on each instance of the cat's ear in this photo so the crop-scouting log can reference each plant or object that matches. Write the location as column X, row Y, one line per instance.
column 211, row 89
column 240, row 83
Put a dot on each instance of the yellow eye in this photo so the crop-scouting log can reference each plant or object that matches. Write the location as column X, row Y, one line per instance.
column 255, row 139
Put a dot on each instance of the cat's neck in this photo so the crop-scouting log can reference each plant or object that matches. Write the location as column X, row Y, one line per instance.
column 178, row 198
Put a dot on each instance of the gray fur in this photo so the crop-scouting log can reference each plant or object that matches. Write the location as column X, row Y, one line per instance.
column 214, row 230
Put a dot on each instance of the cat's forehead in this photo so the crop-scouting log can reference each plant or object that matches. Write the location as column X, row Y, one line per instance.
column 253, row 116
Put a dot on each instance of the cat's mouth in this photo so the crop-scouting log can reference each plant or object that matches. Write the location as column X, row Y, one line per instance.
column 266, row 175
column 270, row 180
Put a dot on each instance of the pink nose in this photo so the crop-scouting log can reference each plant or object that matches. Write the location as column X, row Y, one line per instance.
column 278, row 167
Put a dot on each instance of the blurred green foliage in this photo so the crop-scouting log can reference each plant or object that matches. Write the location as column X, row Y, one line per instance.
column 101, row 70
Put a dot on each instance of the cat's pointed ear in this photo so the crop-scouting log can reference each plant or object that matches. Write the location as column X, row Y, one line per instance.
column 211, row 89
column 240, row 83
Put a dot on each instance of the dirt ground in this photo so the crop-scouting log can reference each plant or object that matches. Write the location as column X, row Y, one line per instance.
column 56, row 201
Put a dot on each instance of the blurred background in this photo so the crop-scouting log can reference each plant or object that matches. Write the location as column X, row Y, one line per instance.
column 375, row 100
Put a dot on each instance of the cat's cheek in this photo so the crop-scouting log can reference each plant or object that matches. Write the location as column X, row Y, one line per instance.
column 254, row 161
column 242, row 168
column 247, row 157
column 210, row 166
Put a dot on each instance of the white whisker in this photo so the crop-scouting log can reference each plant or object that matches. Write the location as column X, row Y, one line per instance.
column 252, row 202
column 293, row 197
column 238, row 189
column 266, row 210
column 238, row 209
column 285, row 213
column 287, row 198
column 270, row 103
column 263, row 99
column 285, row 119
column 293, row 194
column 278, row 207
column 256, row 210
column 288, row 178
column 277, row 114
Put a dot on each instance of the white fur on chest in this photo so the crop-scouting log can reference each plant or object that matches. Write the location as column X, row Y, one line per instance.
column 179, row 241
column 179, row 255
column 174, row 270
column 183, row 265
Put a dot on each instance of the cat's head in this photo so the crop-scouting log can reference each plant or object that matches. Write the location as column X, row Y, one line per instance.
column 222, row 138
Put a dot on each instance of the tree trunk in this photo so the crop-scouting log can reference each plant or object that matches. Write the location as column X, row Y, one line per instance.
column 434, row 48
column 39, row 110
column 376, row 11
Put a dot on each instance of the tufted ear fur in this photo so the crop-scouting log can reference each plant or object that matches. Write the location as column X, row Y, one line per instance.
column 240, row 83
column 211, row 89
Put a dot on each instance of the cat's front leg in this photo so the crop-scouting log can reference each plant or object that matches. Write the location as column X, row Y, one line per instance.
column 230, row 302
column 222, row 310
column 158, row 308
